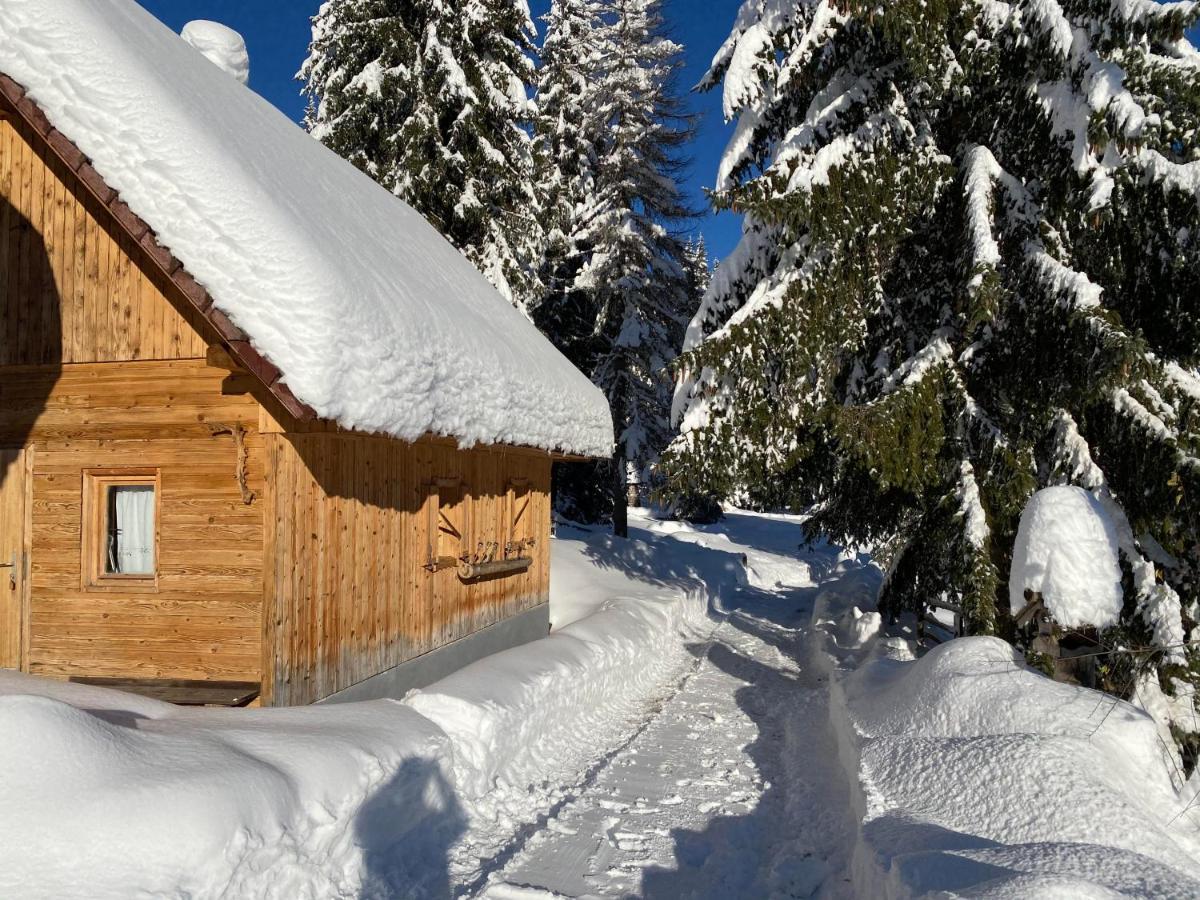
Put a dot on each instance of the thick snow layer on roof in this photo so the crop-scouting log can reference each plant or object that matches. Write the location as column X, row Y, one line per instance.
column 222, row 46
column 374, row 319
column 1067, row 550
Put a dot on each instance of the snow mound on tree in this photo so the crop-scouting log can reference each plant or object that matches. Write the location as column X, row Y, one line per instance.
column 1067, row 550
column 222, row 46
column 375, row 320
column 980, row 777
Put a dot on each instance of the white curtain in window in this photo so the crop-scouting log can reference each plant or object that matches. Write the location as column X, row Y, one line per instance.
column 135, row 530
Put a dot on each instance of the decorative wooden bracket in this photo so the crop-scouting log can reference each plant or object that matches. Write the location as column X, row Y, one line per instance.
column 243, row 456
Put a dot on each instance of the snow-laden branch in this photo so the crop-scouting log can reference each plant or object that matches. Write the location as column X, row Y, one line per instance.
column 971, row 508
column 796, row 265
column 981, row 172
column 1183, row 177
column 826, row 18
column 1186, row 381
column 1128, row 405
column 1145, row 12
column 917, row 366
column 1092, row 85
column 1078, row 292
column 1048, row 18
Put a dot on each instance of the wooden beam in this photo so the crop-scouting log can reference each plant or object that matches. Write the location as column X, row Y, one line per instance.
column 219, row 357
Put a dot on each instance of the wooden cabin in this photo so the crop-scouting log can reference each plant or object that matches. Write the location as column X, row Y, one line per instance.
column 174, row 518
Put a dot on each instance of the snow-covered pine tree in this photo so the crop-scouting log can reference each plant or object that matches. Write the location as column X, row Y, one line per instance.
column 969, row 269
column 568, row 135
column 430, row 98
column 635, row 272
column 699, row 270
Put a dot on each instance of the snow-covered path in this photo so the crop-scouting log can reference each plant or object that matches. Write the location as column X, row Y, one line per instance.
column 731, row 785
column 714, row 717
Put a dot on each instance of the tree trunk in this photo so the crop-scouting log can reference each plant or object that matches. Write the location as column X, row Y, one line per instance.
column 620, row 513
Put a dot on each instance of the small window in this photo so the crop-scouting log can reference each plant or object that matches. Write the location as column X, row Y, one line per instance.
column 121, row 528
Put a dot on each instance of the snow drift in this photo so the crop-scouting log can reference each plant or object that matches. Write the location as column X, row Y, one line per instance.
column 374, row 319
column 980, row 777
column 109, row 795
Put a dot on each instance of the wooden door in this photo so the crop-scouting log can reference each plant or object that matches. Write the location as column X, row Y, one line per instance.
column 14, row 556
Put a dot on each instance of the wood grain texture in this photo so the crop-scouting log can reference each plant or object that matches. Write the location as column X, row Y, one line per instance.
column 351, row 594
column 73, row 286
column 13, row 556
column 202, row 619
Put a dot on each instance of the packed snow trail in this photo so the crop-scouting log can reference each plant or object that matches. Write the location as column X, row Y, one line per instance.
column 731, row 785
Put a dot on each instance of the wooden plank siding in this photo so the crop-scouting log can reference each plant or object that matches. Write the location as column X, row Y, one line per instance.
column 350, row 594
column 317, row 584
column 203, row 620
column 14, row 554
column 74, row 288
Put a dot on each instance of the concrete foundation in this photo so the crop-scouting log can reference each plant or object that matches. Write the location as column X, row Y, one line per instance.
column 437, row 664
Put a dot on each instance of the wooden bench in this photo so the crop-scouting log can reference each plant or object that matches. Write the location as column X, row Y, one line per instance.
column 182, row 692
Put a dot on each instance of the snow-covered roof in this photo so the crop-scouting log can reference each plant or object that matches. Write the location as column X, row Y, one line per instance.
column 373, row 319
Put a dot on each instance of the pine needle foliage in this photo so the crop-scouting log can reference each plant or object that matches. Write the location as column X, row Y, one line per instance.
column 968, row 271
column 430, row 98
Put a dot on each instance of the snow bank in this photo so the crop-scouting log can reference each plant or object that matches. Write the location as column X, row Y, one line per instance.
column 980, row 777
column 137, row 798
column 1067, row 549
column 107, row 795
column 374, row 319
column 523, row 725
column 223, row 47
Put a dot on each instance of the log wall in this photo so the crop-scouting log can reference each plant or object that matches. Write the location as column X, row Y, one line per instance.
column 347, row 542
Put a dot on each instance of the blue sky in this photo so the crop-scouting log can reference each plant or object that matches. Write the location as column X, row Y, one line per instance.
column 277, row 34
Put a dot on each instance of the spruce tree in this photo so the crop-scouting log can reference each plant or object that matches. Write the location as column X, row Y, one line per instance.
column 968, row 270
column 620, row 301
column 568, row 135
column 429, row 97
column 699, row 270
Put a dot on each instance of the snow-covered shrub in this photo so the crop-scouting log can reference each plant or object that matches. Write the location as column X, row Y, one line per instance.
column 1067, row 552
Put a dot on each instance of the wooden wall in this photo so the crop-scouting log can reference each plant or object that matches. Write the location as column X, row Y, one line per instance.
column 204, row 618
column 98, row 368
column 347, row 540
column 72, row 287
